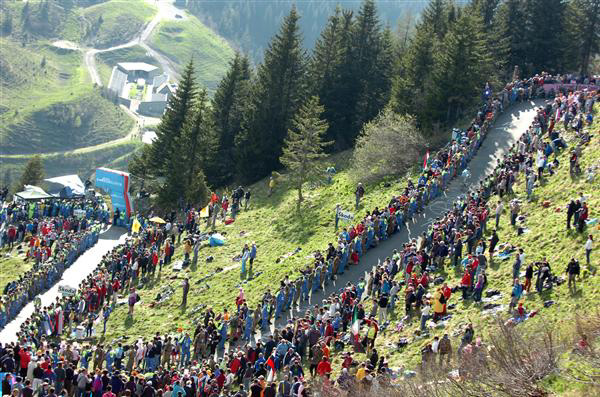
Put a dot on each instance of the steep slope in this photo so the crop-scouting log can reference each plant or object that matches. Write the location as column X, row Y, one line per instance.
column 183, row 40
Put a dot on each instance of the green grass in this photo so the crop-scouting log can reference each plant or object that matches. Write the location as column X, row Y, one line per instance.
column 12, row 267
column 277, row 229
column 84, row 164
column 121, row 22
column 182, row 40
column 53, row 104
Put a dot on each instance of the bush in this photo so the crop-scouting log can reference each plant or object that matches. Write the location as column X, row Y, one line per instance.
column 388, row 145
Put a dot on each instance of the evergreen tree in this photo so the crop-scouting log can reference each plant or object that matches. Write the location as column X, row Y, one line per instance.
column 435, row 18
column 169, row 129
column 228, row 105
column 509, row 35
column 279, row 91
column 33, row 174
column 587, row 31
column 325, row 66
column 304, row 145
column 544, row 35
column 487, row 10
column 461, row 68
column 413, row 71
column 340, row 101
column 373, row 64
column 197, row 141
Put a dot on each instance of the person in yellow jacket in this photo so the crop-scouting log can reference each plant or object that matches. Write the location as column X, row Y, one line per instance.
column 438, row 303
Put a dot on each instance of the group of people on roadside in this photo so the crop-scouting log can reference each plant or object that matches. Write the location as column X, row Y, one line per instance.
column 183, row 363
column 50, row 235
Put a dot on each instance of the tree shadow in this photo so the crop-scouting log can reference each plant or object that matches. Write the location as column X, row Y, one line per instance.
column 129, row 321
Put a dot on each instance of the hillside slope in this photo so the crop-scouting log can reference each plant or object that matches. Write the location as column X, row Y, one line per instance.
column 47, row 93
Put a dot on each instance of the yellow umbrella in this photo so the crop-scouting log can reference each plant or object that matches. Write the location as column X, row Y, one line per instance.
column 157, row 219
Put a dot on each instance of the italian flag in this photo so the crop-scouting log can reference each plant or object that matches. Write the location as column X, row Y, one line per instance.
column 355, row 324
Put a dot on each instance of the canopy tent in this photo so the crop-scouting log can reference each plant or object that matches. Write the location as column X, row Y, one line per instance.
column 71, row 185
column 33, row 193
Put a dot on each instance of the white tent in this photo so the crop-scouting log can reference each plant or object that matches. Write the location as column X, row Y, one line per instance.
column 33, row 193
column 71, row 181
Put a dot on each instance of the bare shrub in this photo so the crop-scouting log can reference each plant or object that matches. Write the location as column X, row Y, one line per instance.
column 387, row 146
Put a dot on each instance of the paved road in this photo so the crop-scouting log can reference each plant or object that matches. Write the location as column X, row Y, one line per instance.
column 508, row 128
column 78, row 271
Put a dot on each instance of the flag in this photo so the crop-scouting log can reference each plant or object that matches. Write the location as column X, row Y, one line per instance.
column 425, row 160
column 204, row 212
column 135, row 227
column 271, row 365
column 355, row 322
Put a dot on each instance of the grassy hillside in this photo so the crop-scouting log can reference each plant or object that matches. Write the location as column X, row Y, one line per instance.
column 182, row 40
column 114, row 155
column 113, row 22
column 547, row 237
column 277, row 229
column 47, row 96
column 101, row 24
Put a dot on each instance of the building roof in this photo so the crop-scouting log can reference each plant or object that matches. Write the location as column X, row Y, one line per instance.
column 131, row 66
column 117, row 80
column 160, row 79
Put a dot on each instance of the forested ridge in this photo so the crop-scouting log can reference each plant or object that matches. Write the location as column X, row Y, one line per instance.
column 454, row 56
column 251, row 24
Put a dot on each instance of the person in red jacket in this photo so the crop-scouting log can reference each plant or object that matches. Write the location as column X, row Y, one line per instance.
column 324, row 367
column 25, row 358
column 465, row 284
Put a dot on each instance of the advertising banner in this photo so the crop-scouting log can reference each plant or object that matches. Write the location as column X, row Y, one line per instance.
column 116, row 184
column 65, row 290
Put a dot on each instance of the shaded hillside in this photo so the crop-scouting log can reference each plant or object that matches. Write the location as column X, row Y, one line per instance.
column 251, row 24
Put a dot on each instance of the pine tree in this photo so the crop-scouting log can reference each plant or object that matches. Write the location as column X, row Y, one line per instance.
column 169, row 129
column 587, row 30
column 435, row 17
column 509, row 35
column 197, row 141
column 304, row 145
column 228, row 105
column 33, row 174
column 279, row 91
column 373, row 62
column 544, row 35
column 413, row 71
column 324, row 69
column 462, row 65
column 487, row 10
